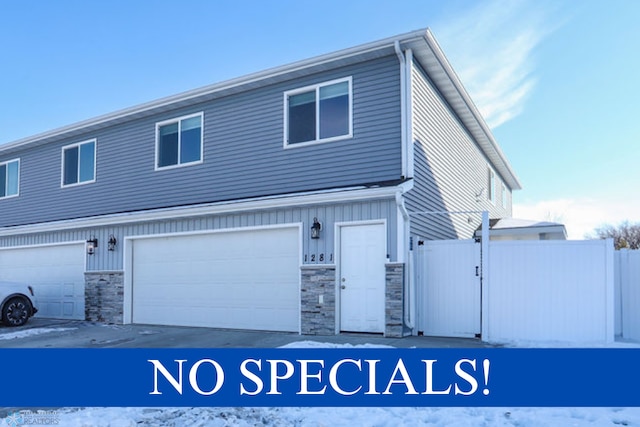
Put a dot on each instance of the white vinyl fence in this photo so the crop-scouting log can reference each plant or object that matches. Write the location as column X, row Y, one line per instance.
column 451, row 307
column 549, row 291
column 544, row 291
column 627, row 292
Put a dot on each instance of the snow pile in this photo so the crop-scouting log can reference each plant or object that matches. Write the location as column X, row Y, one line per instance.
column 30, row 332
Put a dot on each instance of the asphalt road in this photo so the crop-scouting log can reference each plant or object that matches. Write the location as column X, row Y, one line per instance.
column 51, row 333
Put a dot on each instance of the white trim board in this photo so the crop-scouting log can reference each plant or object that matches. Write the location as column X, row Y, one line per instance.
column 301, row 199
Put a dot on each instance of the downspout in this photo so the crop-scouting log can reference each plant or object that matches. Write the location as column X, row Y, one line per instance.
column 403, row 108
column 403, row 228
column 408, row 277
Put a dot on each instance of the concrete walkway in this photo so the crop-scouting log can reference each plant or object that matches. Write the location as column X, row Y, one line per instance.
column 50, row 333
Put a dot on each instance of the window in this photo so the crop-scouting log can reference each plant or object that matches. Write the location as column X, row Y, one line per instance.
column 79, row 163
column 179, row 141
column 504, row 196
column 9, row 178
column 491, row 186
column 318, row 113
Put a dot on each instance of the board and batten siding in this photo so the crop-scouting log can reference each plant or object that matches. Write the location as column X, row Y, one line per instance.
column 243, row 153
column 329, row 214
column 450, row 169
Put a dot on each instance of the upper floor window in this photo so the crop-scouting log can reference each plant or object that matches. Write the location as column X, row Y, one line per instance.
column 504, row 196
column 179, row 141
column 318, row 113
column 9, row 178
column 79, row 163
column 491, row 186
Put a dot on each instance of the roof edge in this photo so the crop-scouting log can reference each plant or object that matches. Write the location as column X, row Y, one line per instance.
column 215, row 87
column 453, row 76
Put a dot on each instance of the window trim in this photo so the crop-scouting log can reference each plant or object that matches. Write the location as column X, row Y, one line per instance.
column 95, row 163
column 317, row 87
column 5, row 163
column 179, row 120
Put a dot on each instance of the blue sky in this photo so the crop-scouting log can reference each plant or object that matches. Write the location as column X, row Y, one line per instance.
column 558, row 81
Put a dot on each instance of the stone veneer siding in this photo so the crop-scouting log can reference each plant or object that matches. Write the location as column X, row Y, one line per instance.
column 318, row 318
column 394, row 300
column 104, row 296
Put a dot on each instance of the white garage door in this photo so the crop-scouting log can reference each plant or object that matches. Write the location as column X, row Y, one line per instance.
column 56, row 273
column 238, row 280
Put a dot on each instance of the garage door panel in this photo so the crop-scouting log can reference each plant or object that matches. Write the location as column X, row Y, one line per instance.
column 56, row 273
column 238, row 280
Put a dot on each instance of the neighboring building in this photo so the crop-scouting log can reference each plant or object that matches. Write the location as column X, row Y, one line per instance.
column 524, row 229
column 282, row 200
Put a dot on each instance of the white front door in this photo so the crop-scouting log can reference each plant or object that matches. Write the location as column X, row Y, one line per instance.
column 362, row 277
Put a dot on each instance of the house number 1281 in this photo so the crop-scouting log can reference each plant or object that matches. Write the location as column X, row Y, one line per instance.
column 319, row 258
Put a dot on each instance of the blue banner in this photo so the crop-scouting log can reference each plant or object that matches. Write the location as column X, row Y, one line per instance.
column 319, row 377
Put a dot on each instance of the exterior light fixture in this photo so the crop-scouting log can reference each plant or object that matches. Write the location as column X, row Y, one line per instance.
column 315, row 229
column 111, row 244
column 92, row 244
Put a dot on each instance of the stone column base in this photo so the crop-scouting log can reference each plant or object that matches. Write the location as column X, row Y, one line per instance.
column 394, row 300
column 318, row 299
column 104, row 296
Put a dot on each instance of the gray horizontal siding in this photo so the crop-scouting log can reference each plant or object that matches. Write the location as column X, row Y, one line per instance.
column 450, row 169
column 104, row 260
column 243, row 154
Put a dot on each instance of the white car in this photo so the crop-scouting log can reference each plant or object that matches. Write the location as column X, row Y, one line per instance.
column 17, row 303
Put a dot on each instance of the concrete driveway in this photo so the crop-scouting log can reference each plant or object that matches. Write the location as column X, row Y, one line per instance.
column 52, row 333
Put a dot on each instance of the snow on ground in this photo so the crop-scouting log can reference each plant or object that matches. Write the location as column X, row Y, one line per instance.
column 315, row 344
column 351, row 417
column 29, row 332
column 566, row 344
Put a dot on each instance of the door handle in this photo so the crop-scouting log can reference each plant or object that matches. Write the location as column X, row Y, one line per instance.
column 477, row 271
column 343, row 287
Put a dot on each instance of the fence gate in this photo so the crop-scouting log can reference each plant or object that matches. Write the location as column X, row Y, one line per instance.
column 448, row 288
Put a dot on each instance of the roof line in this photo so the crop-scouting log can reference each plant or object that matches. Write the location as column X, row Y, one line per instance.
column 216, row 87
column 453, row 76
column 422, row 35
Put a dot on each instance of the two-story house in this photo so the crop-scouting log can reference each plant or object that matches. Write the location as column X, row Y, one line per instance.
column 283, row 200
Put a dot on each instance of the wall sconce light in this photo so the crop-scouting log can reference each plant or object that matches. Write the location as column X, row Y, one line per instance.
column 315, row 229
column 92, row 244
column 111, row 244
